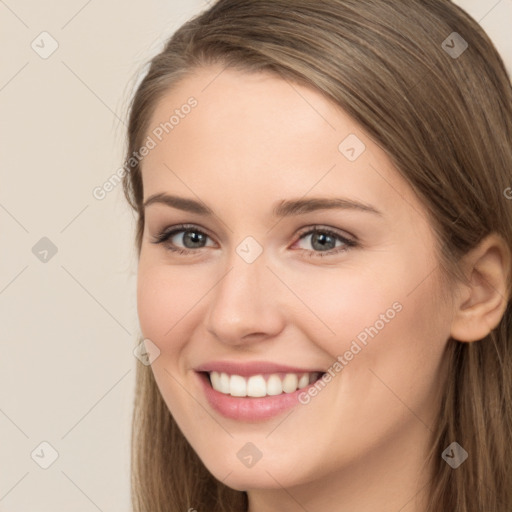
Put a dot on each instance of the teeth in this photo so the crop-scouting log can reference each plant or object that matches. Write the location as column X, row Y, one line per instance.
column 224, row 383
column 259, row 385
column 237, row 386
column 290, row 383
column 303, row 381
column 274, row 385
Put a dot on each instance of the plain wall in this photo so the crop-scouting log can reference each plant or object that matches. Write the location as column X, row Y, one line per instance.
column 68, row 319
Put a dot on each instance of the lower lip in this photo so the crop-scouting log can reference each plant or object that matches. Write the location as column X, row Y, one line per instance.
column 249, row 408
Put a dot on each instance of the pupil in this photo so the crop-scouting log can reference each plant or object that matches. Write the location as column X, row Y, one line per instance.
column 321, row 238
column 194, row 237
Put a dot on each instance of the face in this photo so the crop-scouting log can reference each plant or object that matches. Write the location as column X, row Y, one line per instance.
column 294, row 248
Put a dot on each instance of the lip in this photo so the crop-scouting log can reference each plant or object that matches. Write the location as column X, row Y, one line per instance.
column 252, row 368
column 249, row 409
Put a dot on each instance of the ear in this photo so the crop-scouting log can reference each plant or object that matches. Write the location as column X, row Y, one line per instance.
column 482, row 301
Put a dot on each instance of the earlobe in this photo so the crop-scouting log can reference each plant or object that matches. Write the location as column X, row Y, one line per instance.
column 483, row 299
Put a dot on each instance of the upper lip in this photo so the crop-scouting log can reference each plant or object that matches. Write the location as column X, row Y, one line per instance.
column 246, row 369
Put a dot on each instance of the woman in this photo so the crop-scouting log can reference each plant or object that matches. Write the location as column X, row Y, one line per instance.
column 324, row 237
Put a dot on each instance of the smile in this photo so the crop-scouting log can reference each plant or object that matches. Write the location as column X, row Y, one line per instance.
column 262, row 392
column 261, row 385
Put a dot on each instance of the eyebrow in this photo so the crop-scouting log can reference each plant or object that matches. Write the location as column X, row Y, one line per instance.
column 285, row 208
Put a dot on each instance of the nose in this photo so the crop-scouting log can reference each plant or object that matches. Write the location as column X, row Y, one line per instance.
column 244, row 305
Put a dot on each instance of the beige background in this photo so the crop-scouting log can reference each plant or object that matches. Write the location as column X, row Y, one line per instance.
column 69, row 325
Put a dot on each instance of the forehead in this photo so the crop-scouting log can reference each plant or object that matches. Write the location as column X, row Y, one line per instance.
column 235, row 103
column 254, row 136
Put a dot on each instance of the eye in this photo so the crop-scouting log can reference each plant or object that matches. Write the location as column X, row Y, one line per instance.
column 324, row 240
column 192, row 238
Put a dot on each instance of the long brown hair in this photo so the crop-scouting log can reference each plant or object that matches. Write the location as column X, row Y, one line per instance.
column 445, row 120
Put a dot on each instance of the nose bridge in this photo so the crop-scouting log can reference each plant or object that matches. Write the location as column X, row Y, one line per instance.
column 244, row 300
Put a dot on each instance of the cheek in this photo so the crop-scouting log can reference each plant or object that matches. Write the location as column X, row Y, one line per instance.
column 392, row 357
column 163, row 299
column 390, row 328
column 340, row 305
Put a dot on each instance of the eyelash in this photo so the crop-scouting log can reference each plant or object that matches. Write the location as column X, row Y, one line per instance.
column 166, row 234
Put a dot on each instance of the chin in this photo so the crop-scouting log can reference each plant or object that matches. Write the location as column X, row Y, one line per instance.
column 262, row 475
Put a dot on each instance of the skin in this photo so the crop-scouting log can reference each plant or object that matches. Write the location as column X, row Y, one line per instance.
column 252, row 141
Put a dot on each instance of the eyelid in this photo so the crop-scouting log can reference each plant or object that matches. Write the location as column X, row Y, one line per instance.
column 172, row 230
column 327, row 229
column 305, row 230
column 348, row 241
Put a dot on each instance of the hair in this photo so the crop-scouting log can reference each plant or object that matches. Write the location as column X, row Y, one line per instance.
column 445, row 123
